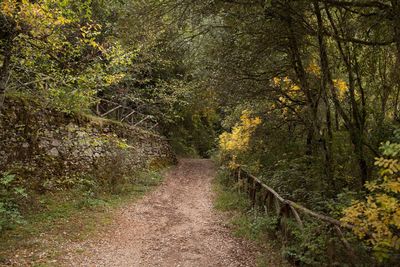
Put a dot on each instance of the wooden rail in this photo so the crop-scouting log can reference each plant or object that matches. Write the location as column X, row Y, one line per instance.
column 108, row 109
column 117, row 111
column 261, row 195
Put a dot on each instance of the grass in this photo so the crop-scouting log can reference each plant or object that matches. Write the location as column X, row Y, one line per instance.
column 67, row 217
column 246, row 222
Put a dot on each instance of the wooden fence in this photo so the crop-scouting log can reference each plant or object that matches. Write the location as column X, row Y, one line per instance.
column 119, row 112
column 267, row 199
column 106, row 108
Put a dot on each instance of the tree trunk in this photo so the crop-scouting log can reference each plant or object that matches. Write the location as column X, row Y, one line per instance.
column 396, row 72
column 312, row 97
column 356, row 139
column 5, row 70
column 355, row 121
column 326, row 133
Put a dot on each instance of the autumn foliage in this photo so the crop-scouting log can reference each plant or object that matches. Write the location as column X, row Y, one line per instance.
column 377, row 218
column 234, row 144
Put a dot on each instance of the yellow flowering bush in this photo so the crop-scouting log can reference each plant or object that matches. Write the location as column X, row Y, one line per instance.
column 235, row 143
column 57, row 45
column 341, row 87
column 377, row 219
column 314, row 68
column 287, row 84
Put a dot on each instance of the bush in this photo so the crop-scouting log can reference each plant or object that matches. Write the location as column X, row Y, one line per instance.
column 376, row 219
column 10, row 196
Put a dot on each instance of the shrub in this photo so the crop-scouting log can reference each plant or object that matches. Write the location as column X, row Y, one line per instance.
column 10, row 196
column 234, row 145
column 376, row 219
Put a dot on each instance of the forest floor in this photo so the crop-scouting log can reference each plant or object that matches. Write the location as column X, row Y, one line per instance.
column 175, row 225
column 171, row 222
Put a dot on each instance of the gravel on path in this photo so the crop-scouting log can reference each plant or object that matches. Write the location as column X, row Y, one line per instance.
column 175, row 225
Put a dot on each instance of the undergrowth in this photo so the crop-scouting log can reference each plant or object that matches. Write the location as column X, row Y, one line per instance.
column 62, row 217
column 314, row 245
column 246, row 222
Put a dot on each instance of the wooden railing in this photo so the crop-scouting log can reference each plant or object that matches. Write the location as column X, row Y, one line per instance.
column 119, row 112
column 264, row 197
column 108, row 109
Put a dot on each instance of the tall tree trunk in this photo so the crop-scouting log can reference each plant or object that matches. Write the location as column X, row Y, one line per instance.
column 337, row 126
column 310, row 141
column 396, row 31
column 326, row 133
column 312, row 97
column 396, row 25
column 5, row 69
column 354, row 122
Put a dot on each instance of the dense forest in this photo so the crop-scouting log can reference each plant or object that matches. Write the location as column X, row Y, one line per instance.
column 304, row 94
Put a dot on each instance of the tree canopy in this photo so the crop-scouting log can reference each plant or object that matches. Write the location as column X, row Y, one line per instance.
column 303, row 93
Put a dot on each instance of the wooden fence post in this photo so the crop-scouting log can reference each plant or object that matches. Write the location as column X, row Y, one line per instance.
column 253, row 194
column 349, row 249
column 249, row 185
column 284, row 208
column 283, row 221
column 265, row 202
column 257, row 195
column 277, row 206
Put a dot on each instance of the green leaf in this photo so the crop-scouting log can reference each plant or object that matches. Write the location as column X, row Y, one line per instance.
column 7, row 178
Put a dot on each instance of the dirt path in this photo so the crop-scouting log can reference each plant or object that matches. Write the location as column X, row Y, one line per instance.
column 175, row 225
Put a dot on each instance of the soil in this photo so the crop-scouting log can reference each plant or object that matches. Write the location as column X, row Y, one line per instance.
column 175, row 225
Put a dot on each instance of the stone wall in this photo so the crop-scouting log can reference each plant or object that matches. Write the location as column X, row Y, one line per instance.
column 50, row 148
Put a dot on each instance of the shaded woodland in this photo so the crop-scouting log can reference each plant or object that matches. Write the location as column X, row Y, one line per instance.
column 304, row 94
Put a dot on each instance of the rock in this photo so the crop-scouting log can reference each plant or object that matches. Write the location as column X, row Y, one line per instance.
column 43, row 144
column 47, row 133
column 88, row 152
column 81, row 134
column 70, row 126
column 56, row 143
column 53, row 152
